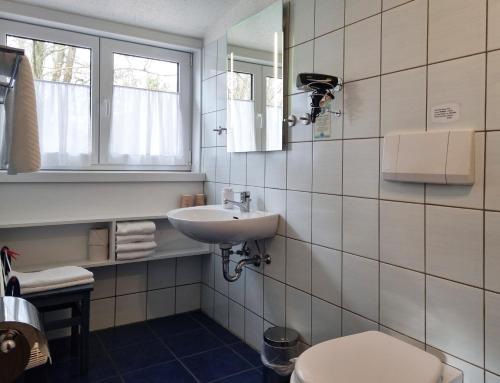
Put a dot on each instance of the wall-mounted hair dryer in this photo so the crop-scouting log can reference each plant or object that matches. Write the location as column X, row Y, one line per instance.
column 322, row 87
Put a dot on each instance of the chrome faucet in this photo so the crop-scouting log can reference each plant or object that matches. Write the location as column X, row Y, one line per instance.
column 244, row 203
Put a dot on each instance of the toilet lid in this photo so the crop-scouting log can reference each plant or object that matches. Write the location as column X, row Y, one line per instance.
column 367, row 357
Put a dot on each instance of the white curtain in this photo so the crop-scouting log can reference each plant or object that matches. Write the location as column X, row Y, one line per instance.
column 241, row 126
column 274, row 128
column 146, row 128
column 64, row 124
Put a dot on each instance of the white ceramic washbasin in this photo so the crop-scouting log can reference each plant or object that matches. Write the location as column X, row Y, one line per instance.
column 214, row 224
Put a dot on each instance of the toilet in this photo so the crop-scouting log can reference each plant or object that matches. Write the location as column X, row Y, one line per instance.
column 371, row 357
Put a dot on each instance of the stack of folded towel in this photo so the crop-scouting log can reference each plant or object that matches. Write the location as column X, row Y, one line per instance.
column 52, row 279
column 135, row 239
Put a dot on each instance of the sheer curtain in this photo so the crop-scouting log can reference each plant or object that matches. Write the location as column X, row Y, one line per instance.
column 241, row 129
column 146, row 128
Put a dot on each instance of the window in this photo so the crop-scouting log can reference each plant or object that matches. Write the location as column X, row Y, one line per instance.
column 137, row 116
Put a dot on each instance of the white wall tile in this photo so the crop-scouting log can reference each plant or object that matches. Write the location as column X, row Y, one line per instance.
column 462, row 195
column 402, row 300
column 360, row 291
column 327, row 274
column 209, row 95
column 326, row 321
column 361, row 167
column 362, row 108
column 274, row 301
column 492, row 171
column 210, row 60
column 490, row 378
column 237, row 288
column 387, row 4
column 221, row 92
column 238, row 173
column 131, row 278
column 258, row 198
column 188, row 270
column 493, row 90
column 359, row 9
column 471, row 373
column 298, row 313
column 208, row 124
column 256, row 164
column 254, row 329
column 130, row 308
column 276, row 248
column 221, row 309
column 276, row 170
column 447, row 36
column 299, row 170
column 223, row 165
column 492, row 251
column 237, row 319
column 298, row 106
column 300, row 60
column 298, row 215
column 254, row 292
column 275, row 202
column 404, row 36
column 207, row 300
column 493, row 26
column 329, row 16
column 445, row 87
column 208, row 161
column 327, row 167
column 454, row 243
column 209, row 190
column 402, row 337
column 327, row 220
column 104, row 282
column 222, row 54
column 298, row 264
column 455, row 319
column 402, row 234
column 102, row 314
column 221, row 285
column 403, row 104
column 354, row 324
column 492, row 328
column 187, row 298
column 360, row 226
column 329, row 54
column 362, row 49
column 301, row 21
column 160, row 303
column 208, row 270
column 221, row 123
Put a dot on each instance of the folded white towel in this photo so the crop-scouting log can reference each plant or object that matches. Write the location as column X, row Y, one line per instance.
column 134, row 255
column 46, row 280
column 136, row 246
column 135, row 238
column 138, row 227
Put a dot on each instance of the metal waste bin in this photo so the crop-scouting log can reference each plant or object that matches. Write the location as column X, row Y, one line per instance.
column 281, row 347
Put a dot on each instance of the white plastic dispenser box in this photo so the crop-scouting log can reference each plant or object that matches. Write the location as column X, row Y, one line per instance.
column 439, row 157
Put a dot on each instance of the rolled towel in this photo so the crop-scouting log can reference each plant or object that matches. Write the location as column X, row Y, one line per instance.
column 137, row 227
column 59, row 277
column 136, row 246
column 134, row 238
column 134, row 255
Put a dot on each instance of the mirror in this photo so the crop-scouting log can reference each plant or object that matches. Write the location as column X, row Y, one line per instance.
column 255, row 115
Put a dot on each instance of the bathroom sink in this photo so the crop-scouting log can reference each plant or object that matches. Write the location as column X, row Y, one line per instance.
column 214, row 224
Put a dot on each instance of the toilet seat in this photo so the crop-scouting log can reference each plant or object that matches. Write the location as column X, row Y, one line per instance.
column 371, row 357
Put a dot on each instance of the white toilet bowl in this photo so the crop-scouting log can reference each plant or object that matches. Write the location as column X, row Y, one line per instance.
column 371, row 357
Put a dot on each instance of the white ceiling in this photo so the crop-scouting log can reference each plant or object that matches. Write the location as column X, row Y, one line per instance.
column 184, row 17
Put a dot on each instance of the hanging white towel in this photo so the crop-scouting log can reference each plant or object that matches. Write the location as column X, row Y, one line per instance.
column 135, row 238
column 134, row 255
column 21, row 144
column 51, row 279
column 136, row 246
column 138, row 227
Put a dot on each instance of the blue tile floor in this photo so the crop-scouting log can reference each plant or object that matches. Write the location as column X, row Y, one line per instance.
column 186, row 348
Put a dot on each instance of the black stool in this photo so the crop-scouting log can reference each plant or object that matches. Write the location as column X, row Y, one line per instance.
column 76, row 298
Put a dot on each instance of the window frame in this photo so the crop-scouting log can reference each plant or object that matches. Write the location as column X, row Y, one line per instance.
column 102, row 85
column 108, row 48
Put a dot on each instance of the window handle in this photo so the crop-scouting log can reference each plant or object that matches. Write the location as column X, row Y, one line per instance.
column 106, row 106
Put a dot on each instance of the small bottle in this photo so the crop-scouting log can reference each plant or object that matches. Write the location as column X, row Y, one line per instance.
column 227, row 193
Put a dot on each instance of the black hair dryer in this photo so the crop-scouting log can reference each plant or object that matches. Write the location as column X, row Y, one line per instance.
column 322, row 87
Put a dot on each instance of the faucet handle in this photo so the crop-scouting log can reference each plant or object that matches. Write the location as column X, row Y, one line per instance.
column 245, row 196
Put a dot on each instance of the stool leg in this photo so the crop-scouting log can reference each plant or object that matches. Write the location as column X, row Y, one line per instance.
column 74, row 334
column 84, row 335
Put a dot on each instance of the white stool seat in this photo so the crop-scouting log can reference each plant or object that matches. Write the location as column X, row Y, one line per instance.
column 369, row 357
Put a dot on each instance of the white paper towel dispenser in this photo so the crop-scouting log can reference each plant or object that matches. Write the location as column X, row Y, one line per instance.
column 439, row 157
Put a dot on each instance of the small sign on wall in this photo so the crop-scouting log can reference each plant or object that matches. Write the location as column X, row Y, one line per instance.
column 445, row 113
